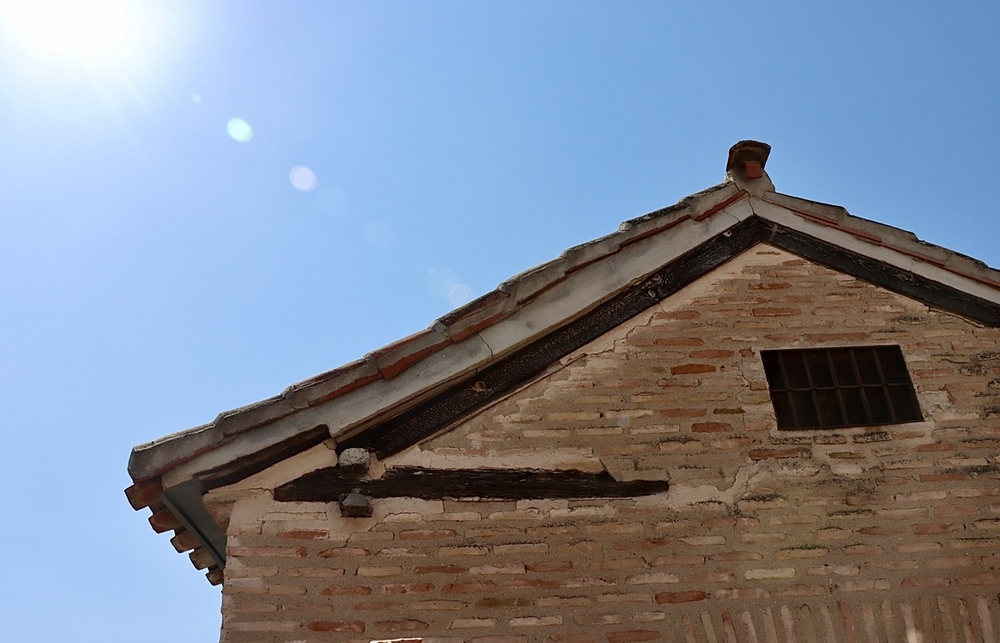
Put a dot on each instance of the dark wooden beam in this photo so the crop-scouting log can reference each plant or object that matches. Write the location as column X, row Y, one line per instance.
column 408, row 428
column 247, row 466
column 898, row 280
column 328, row 485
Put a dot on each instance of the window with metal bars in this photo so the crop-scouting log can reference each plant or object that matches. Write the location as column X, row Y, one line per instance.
column 829, row 388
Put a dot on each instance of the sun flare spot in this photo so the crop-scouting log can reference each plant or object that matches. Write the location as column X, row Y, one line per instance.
column 71, row 28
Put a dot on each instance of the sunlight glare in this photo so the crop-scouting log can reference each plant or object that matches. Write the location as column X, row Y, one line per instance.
column 75, row 28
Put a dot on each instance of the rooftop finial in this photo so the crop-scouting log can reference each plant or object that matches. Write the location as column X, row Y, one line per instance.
column 746, row 165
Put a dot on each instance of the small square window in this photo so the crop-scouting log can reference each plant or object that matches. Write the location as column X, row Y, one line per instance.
column 830, row 388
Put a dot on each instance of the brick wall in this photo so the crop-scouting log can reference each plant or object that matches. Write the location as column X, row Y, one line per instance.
column 878, row 534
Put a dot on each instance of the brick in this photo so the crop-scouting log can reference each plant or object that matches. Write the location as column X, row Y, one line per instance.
column 711, row 427
column 598, row 619
column 736, row 554
column 426, row 534
column 521, row 548
column 937, row 528
column 621, row 563
column 550, row 566
column 704, row 541
column 337, row 626
column 633, row 635
column 304, row 534
column 337, row 552
column 990, row 578
column 711, row 354
column 512, row 568
column 532, row 583
column 535, row 621
column 869, row 499
column 377, row 572
column 768, row 574
column 679, row 560
column 837, row 570
column 681, row 597
column 346, row 590
column 683, row 412
column 463, row 551
column 469, row 587
column 919, row 582
column 775, row 312
column 680, row 341
column 766, row 454
column 946, row 562
column 892, row 565
column 405, row 625
column 407, row 588
column 437, row 605
column 802, row 590
column 502, row 603
column 692, row 369
column 263, row 626
column 470, row 623
column 742, row 593
column 801, row 552
column 652, row 578
column 439, row 569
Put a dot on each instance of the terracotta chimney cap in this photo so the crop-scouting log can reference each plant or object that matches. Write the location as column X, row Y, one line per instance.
column 746, row 166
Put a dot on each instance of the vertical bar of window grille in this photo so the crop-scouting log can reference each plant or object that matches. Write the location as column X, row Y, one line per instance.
column 885, row 386
column 836, row 386
column 788, row 389
column 861, row 386
column 811, row 385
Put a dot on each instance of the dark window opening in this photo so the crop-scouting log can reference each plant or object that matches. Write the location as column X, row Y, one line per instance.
column 830, row 388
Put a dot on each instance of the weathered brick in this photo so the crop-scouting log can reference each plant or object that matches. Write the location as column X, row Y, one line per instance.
column 468, row 588
column 692, row 369
column 345, row 590
column 405, row 625
column 633, row 635
column 337, row 626
column 439, row 569
column 681, row 597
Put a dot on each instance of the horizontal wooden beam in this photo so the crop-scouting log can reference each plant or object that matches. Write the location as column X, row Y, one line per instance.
column 328, row 485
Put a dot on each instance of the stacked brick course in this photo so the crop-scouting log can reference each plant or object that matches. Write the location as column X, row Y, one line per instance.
column 885, row 533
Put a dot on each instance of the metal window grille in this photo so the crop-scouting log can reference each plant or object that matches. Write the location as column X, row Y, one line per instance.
column 828, row 388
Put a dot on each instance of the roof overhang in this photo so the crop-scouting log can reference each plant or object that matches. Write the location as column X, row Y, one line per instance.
column 423, row 384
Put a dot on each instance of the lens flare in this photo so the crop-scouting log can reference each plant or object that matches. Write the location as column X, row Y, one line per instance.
column 302, row 178
column 459, row 294
column 239, row 130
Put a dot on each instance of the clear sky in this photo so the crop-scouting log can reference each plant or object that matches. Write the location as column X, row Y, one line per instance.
column 228, row 197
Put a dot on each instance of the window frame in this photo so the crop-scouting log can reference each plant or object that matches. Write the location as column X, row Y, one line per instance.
column 840, row 387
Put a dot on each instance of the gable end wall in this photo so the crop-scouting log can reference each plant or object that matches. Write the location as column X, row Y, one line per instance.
column 872, row 534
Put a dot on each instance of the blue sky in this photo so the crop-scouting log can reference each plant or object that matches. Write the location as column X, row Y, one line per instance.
column 155, row 271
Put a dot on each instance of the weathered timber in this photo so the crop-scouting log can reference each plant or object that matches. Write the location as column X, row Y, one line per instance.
column 247, row 466
column 889, row 277
column 408, row 428
column 329, row 485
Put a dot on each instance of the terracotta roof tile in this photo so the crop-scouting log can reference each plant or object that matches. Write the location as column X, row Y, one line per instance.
column 394, row 358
